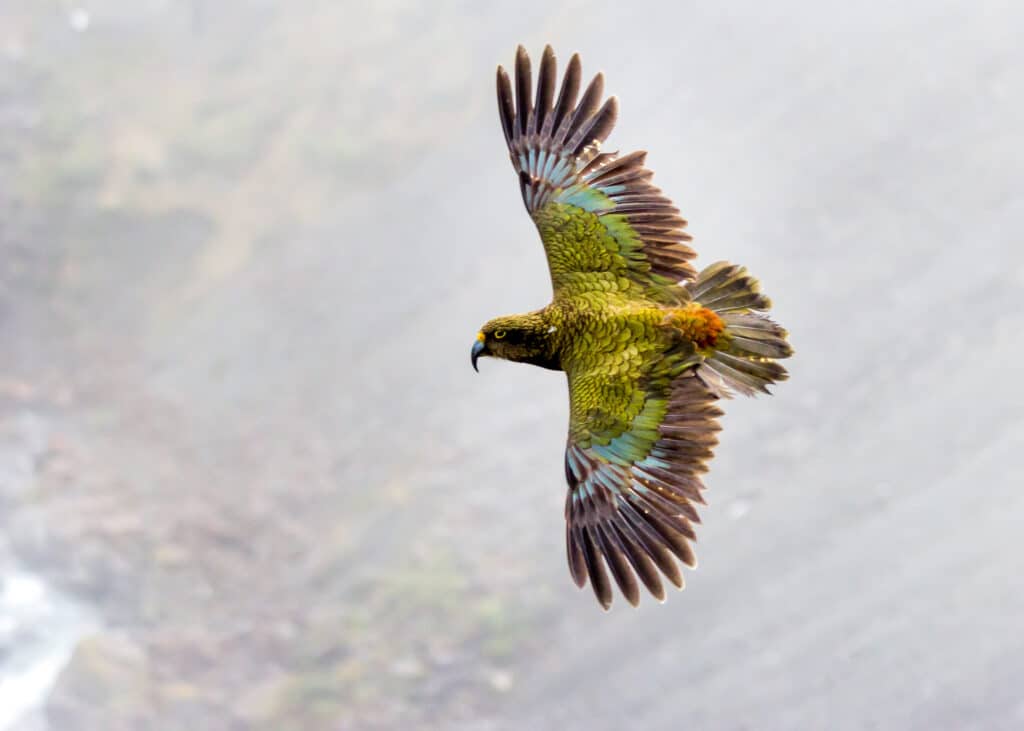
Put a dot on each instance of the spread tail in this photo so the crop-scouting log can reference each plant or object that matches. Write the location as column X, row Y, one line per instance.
column 744, row 356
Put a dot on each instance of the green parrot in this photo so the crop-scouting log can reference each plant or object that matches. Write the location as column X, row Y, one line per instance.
column 648, row 345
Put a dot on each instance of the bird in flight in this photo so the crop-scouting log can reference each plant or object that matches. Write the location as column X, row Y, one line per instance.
column 648, row 345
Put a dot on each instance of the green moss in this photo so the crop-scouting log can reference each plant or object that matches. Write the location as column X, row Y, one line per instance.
column 226, row 138
column 501, row 629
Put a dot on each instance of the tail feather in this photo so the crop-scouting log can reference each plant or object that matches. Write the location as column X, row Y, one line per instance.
column 744, row 356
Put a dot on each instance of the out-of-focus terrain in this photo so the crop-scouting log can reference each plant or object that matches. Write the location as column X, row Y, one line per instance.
column 246, row 246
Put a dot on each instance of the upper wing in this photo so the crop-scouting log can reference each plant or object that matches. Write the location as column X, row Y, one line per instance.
column 597, row 213
column 633, row 462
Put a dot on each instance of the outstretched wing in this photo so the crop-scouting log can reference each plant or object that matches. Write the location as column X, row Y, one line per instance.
column 633, row 462
column 599, row 216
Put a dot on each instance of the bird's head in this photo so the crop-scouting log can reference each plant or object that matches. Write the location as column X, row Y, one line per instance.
column 521, row 338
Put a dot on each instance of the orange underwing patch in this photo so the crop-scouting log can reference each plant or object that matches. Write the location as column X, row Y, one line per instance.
column 698, row 324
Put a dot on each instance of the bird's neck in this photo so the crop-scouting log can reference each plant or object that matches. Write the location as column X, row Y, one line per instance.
column 546, row 325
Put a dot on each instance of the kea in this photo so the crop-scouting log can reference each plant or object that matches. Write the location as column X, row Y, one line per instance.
column 648, row 345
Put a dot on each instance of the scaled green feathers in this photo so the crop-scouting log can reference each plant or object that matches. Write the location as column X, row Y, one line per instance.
column 648, row 344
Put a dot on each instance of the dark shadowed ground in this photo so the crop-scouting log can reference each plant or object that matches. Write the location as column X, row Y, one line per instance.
column 244, row 250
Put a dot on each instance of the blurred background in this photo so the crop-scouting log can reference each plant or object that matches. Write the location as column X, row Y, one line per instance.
column 248, row 479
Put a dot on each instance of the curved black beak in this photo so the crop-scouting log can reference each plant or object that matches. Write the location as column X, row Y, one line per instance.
column 478, row 349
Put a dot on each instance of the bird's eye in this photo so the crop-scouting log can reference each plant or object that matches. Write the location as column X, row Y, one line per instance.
column 499, row 334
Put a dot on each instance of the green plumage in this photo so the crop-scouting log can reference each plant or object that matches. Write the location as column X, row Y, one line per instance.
column 647, row 344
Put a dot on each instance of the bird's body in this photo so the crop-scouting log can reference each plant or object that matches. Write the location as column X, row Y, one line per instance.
column 647, row 344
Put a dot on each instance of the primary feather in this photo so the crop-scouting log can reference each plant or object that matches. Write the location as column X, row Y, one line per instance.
column 647, row 344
